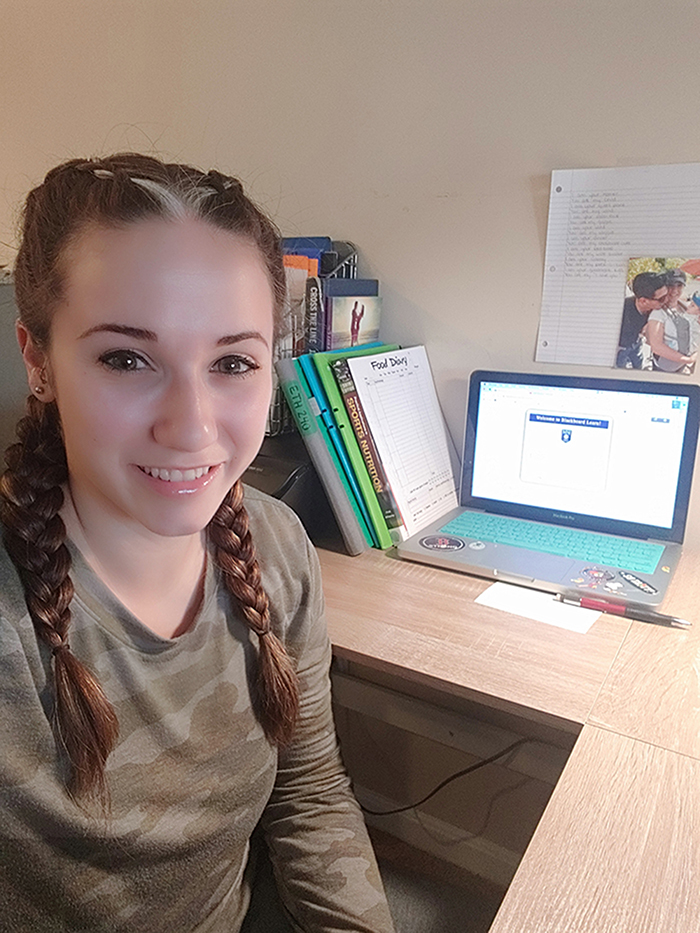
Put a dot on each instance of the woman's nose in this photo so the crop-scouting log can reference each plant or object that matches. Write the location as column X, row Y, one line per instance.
column 185, row 420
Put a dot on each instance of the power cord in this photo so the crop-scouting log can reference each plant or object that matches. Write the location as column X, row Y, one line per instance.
column 450, row 779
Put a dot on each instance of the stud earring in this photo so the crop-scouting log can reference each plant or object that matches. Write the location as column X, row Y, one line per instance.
column 43, row 382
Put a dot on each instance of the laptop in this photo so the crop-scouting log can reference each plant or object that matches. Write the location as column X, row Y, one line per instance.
column 570, row 484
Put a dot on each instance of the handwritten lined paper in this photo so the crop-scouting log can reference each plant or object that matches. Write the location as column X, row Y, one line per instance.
column 401, row 408
column 598, row 220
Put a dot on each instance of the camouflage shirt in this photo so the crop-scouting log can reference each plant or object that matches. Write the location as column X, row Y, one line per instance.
column 192, row 774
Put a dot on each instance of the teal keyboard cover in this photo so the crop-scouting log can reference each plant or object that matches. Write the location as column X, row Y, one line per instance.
column 625, row 553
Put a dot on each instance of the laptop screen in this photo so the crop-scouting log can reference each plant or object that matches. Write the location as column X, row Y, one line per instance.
column 606, row 454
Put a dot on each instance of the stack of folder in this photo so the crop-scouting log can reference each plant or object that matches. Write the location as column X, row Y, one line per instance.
column 318, row 409
column 351, row 446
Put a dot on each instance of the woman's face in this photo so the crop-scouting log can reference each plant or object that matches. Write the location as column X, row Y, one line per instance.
column 160, row 363
column 674, row 294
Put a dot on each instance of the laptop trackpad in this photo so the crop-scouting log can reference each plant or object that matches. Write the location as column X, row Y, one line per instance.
column 519, row 562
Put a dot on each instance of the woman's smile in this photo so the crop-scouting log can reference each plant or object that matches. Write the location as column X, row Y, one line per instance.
column 173, row 475
column 176, row 482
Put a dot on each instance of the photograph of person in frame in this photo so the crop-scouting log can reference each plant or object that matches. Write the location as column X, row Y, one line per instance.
column 660, row 327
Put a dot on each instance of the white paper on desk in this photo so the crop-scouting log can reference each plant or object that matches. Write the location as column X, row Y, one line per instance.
column 400, row 403
column 598, row 220
column 534, row 604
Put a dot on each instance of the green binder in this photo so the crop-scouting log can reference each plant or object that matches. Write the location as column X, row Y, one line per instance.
column 323, row 361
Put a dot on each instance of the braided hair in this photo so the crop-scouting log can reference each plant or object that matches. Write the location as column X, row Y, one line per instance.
column 114, row 192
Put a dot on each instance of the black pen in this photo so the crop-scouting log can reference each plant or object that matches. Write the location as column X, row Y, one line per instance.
column 639, row 613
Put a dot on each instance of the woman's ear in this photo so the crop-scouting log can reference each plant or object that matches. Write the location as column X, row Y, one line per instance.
column 36, row 363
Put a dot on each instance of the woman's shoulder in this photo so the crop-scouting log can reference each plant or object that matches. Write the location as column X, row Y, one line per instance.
column 272, row 523
column 260, row 503
column 661, row 315
column 278, row 534
column 287, row 559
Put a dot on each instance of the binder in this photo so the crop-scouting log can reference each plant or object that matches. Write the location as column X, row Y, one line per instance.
column 339, row 416
column 353, row 527
column 319, row 394
column 373, row 462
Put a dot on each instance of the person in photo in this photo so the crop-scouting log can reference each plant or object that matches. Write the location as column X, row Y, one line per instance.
column 671, row 332
column 649, row 291
column 358, row 312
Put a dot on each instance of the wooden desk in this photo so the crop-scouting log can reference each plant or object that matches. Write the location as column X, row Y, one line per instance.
column 618, row 847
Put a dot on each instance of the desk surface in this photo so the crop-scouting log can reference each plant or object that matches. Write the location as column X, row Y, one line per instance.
column 627, row 801
column 422, row 623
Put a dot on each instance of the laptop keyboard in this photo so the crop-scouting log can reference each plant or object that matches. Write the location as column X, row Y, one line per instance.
column 626, row 553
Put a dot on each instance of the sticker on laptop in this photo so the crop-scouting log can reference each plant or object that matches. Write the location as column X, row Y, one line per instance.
column 592, row 577
column 442, row 543
column 640, row 584
column 597, row 574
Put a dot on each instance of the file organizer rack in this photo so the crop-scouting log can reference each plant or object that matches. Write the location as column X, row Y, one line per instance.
column 280, row 419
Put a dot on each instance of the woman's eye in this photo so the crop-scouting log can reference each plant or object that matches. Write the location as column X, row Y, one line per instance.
column 123, row 361
column 234, row 365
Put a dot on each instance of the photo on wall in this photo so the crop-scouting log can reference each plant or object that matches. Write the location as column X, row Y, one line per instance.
column 660, row 328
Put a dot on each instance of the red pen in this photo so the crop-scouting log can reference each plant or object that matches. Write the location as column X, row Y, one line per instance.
column 630, row 611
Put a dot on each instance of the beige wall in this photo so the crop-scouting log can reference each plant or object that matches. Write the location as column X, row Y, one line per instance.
column 423, row 131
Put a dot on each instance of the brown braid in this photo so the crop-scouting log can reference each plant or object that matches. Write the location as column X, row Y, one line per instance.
column 30, row 499
column 276, row 690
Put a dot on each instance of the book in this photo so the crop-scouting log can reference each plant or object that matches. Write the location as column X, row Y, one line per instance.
column 314, row 316
column 352, row 525
column 346, row 437
column 352, row 321
column 309, row 257
column 317, row 268
column 350, row 287
column 401, row 407
column 297, row 270
column 345, row 288
column 313, row 247
column 373, row 462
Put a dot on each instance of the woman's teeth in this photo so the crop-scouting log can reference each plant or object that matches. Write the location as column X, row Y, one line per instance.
column 176, row 476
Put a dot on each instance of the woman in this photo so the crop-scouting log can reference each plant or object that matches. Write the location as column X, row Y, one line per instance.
column 672, row 333
column 164, row 682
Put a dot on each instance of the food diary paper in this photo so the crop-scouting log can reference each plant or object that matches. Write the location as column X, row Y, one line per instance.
column 598, row 220
column 398, row 396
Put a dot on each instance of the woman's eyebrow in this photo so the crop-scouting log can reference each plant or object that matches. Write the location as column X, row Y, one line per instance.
column 138, row 333
column 238, row 338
